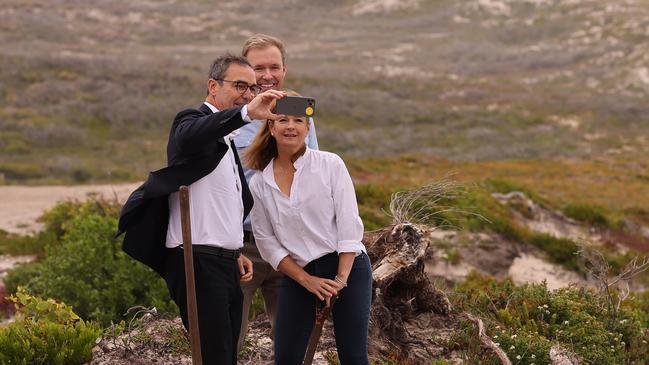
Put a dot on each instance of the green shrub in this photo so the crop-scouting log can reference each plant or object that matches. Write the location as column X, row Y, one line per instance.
column 372, row 200
column 639, row 303
column 257, row 305
column 559, row 250
column 178, row 341
column 332, row 358
column 89, row 271
column 452, row 256
column 46, row 332
column 13, row 244
column 476, row 210
column 18, row 171
column 503, row 186
column 56, row 219
column 526, row 321
column 21, row 275
column 588, row 214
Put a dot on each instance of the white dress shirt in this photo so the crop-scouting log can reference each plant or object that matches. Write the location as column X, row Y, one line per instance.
column 215, row 205
column 247, row 134
column 319, row 217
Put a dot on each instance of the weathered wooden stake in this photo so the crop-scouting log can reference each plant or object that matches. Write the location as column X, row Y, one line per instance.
column 192, row 308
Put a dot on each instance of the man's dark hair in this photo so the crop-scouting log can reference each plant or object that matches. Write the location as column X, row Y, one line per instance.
column 220, row 66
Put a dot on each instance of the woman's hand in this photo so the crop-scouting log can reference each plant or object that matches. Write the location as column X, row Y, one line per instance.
column 245, row 268
column 324, row 289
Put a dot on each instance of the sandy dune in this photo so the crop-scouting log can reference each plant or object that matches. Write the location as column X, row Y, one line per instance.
column 20, row 206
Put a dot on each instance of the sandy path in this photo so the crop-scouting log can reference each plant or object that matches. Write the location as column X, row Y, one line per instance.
column 20, row 206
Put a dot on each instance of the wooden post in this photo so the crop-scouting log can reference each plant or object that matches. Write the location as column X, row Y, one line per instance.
column 192, row 308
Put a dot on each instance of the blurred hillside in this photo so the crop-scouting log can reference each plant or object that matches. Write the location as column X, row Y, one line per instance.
column 88, row 88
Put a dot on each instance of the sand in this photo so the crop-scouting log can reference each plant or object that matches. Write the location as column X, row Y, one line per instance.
column 20, row 206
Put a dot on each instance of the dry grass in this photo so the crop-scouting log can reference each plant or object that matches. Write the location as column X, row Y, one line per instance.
column 615, row 184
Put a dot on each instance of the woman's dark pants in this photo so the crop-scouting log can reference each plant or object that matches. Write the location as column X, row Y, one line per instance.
column 351, row 311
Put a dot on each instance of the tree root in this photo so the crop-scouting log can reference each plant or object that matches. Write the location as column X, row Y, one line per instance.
column 486, row 340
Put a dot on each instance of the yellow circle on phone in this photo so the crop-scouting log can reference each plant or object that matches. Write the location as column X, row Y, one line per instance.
column 309, row 111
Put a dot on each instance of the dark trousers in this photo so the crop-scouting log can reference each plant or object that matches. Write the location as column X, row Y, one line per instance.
column 264, row 278
column 296, row 313
column 219, row 300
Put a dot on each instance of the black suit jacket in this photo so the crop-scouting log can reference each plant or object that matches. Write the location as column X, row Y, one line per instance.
column 195, row 148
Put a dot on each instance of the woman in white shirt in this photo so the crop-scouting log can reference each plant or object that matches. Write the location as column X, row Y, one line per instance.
column 306, row 224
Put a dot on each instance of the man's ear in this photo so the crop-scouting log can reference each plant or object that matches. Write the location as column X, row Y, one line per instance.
column 211, row 86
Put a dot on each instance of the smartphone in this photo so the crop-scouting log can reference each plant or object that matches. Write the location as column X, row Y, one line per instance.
column 301, row 106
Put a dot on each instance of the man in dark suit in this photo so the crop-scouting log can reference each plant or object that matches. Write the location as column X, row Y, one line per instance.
column 200, row 154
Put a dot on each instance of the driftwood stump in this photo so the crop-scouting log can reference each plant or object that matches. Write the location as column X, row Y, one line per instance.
column 405, row 302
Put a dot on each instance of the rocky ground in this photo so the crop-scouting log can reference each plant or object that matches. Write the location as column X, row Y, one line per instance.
column 162, row 341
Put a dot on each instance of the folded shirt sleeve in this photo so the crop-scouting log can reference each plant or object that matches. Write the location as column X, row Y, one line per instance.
column 244, row 114
column 349, row 225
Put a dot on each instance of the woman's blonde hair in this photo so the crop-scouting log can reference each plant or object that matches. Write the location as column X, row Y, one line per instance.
column 263, row 148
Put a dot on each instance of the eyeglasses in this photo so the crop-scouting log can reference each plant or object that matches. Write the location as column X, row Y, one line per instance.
column 242, row 86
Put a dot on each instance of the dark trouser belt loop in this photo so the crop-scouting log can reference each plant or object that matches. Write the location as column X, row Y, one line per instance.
column 216, row 251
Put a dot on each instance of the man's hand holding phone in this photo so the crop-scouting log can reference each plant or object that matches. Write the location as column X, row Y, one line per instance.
column 260, row 107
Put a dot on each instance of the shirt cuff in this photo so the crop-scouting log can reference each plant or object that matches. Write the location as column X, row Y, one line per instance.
column 351, row 246
column 277, row 258
column 244, row 114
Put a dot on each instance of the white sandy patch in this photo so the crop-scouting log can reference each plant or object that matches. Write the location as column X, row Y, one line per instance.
column 531, row 269
column 572, row 122
column 8, row 262
column 383, row 6
column 495, row 7
column 21, row 206
column 641, row 76
column 455, row 273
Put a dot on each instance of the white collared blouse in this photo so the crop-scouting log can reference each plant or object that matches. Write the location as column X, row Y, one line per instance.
column 319, row 217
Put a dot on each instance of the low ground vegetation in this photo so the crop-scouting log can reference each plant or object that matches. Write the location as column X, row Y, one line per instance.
column 527, row 321
column 488, row 215
column 85, row 267
column 79, row 254
column 46, row 332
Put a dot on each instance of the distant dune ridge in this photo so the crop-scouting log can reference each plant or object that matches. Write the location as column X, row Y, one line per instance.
column 466, row 80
